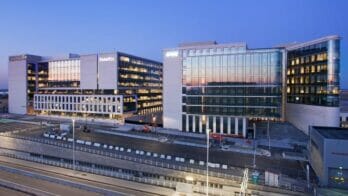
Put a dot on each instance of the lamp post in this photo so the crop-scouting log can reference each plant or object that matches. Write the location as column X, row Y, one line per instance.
column 207, row 130
column 154, row 123
column 73, row 127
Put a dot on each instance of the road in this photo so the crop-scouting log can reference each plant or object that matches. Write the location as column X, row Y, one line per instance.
column 7, row 191
column 291, row 168
column 90, row 180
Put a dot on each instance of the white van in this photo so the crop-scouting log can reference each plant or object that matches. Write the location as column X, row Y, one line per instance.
column 96, row 145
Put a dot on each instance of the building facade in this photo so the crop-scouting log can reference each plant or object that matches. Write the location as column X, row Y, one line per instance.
column 344, row 108
column 222, row 87
column 313, row 83
column 328, row 155
column 108, row 85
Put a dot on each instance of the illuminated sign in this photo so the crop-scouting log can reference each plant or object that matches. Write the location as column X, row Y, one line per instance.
column 174, row 53
column 107, row 59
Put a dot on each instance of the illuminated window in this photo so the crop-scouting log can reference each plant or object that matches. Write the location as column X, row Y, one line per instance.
column 297, row 61
column 302, row 70
column 313, row 58
column 124, row 58
column 318, row 68
column 313, row 69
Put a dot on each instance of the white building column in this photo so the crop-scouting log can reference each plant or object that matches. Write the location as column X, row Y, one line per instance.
column 244, row 127
column 221, row 124
column 228, row 125
column 200, row 124
column 193, row 123
column 187, row 123
column 236, row 125
column 214, row 124
column 207, row 123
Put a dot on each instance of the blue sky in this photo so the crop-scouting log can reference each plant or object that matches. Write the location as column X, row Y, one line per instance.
column 145, row 27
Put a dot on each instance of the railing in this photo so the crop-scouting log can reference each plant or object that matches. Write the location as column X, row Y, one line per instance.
column 298, row 187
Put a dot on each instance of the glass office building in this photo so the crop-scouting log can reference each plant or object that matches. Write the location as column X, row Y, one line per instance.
column 223, row 86
column 143, row 78
column 313, row 74
column 313, row 85
column 107, row 85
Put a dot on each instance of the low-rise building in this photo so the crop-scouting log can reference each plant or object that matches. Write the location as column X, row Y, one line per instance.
column 344, row 108
column 328, row 155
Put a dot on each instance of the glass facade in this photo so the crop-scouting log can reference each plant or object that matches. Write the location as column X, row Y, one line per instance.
column 64, row 73
column 143, row 78
column 232, row 82
column 313, row 74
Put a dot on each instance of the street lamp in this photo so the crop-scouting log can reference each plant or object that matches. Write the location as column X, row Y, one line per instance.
column 73, row 127
column 207, row 130
column 154, row 122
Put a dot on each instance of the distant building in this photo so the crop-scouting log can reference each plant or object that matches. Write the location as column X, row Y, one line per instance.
column 344, row 108
column 328, row 155
column 222, row 87
column 108, row 85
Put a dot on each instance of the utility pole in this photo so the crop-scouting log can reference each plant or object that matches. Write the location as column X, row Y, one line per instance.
column 208, row 130
column 254, row 162
column 269, row 137
column 73, row 126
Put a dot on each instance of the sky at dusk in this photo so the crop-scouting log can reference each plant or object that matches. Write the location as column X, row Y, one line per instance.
column 145, row 27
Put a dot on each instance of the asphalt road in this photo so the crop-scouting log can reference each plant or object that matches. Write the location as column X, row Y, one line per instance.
column 7, row 191
column 55, row 188
column 44, row 186
column 288, row 167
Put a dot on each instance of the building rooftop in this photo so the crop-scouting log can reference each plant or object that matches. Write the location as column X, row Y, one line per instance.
column 332, row 132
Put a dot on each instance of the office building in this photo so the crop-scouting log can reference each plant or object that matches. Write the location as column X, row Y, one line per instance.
column 344, row 108
column 222, row 87
column 108, row 85
column 313, row 83
column 328, row 155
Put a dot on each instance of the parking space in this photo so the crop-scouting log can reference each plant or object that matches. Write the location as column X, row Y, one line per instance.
column 11, row 126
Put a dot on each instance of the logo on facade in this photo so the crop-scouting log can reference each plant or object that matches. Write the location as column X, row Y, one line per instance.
column 107, row 59
column 174, row 53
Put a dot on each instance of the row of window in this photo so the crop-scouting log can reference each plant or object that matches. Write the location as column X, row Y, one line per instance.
column 233, row 101
column 274, row 90
column 255, row 111
column 78, row 99
column 309, row 59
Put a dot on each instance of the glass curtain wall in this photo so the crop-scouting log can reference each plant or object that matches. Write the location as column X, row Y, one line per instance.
column 313, row 74
column 247, row 84
column 65, row 73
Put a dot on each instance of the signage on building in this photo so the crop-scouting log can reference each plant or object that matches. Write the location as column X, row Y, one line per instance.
column 173, row 53
column 107, row 59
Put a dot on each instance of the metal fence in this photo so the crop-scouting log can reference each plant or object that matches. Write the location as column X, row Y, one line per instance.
column 300, row 186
